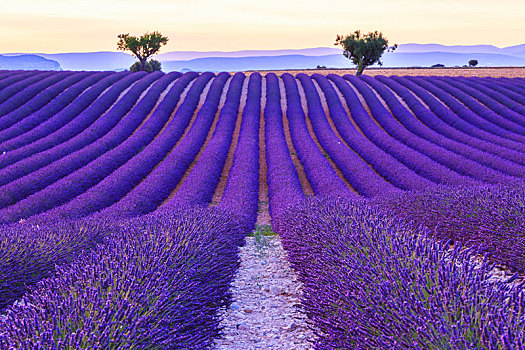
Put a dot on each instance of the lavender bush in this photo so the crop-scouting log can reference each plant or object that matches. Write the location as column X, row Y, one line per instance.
column 155, row 282
column 372, row 281
column 29, row 253
column 489, row 218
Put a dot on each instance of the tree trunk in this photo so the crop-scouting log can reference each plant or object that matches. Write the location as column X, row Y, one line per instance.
column 360, row 68
column 142, row 65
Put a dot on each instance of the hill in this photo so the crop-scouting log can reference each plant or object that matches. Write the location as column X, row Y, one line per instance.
column 28, row 62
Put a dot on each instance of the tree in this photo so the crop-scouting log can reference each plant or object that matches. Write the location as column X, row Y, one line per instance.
column 143, row 47
column 473, row 63
column 364, row 50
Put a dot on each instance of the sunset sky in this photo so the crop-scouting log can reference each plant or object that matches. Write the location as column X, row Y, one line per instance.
column 80, row 26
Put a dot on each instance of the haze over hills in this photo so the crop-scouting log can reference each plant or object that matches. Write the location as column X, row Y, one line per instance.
column 407, row 55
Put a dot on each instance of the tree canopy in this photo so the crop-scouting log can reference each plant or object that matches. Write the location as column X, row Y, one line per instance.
column 142, row 47
column 364, row 50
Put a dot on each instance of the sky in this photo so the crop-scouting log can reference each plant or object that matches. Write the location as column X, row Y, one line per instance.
column 227, row 25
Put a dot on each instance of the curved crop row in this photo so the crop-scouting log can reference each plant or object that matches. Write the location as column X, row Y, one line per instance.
column 443, row 157
column 158, row 185
column 423, row 140
column 320, row 174
column 507, row 99
column 483, row 105
column 284, row 187
column 46, row 94
column 358, row 173
column 507, row 85
column 54, row 105
column 116, row 185
column 241, row 195
column 473, row 120
column 14, row 88
column 384, row 164
column 199, row 186
column 59, row 132
column 505, row 148
column 13, row 77
column 26, row 95
column 494, row 155
column 414, row 160
column 79, row 181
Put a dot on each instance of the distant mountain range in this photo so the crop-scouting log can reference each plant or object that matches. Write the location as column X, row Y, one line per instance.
column 407, row 55
column 28, row 62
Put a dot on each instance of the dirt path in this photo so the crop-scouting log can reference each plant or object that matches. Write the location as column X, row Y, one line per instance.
column 265, row 311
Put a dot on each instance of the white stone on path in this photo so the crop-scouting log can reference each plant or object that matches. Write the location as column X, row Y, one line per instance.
column 265, row 312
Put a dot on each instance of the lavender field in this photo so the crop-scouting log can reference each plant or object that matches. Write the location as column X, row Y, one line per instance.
column 124, row 199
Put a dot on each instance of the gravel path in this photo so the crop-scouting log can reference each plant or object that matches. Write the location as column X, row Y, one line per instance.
column 265, row 313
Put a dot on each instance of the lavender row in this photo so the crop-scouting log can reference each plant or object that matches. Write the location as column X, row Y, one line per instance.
column 505, row 97
column 71, row 121
column 490, row 218
column 383, row 163
column 30, row 253
column 241, row 195
column 507, row 85
column 155, row 282
column 502, row 147
column 414, row 160
column 451, row 161
column 199, row 186
column 120, row 182
column 70, row 145
column 320, row 173
column 375, row 281
column 438, row 148
column 159, row 184
column 66, row 178
column 16, row 84
column 6, row 74
column 19, row 99
column 483, row 105
column 360, row 175
column 54, row 104
column 473, row 120
column 47, row 90
column 284, row 187
column 505, row 159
